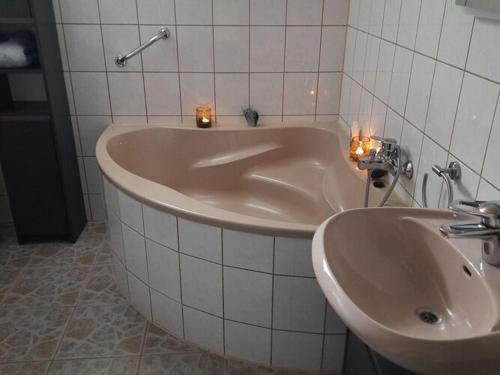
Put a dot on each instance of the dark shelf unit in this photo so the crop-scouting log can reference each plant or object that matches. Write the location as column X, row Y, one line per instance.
column 37, row 150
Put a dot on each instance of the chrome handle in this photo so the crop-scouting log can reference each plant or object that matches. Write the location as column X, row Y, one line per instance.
column 488, row 211
column 163, row 33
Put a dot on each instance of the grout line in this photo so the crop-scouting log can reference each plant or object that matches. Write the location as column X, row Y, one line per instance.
column 284, row 64
column 272, row 304
column 319, row 61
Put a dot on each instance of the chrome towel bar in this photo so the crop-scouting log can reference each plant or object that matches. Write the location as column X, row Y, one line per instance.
column 163, row 33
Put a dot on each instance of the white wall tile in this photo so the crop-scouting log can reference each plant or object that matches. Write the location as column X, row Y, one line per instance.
column 333, row 323
column 365, row 7
column 354, row 6
column 248, row 250
column 201, row 284
column 93, row 175
column 332, row 48
column 300, row 93
column 135, row 253
column 162, row 94
column 247, row 342
column 264, row 12
column 231, row 48
column 490, row 169
column 167, row 314
column 118, row 11
column 195, row 48
column 204, row 329
column 298, row 304
column 376, row 17
column 391, row 19
column 200, row 240
column 335, row 12
column 371, row 62
column 161, row 56
column 377, row 119
column 231, row 93
column 84, row 47
column 231, row 12
column 116, row 236
column 305, row 58
column 196, row 89
column 131, row 212
column 266, row 93
column 304, row 12
column 163, row 269
column 328, row 93
column 139, row 296
column 127, row 94
column 120, row 275
column 429, row 26
column 333, row 352
column 408, row 23
column 161, row 227
column 400, row 79
column 91, row 93
column 194, row 12
column 393, row 125
column 79, row 11
column 443, row 103
column 359, row 57
column 301, row 350
column 350, row 50
column 455, row 35
column 160, row 12
column 466, row 187
column 487, row 192
column 420, row 90
column 267, row 49
column 293, row 257
column 90, row 128
column 484, row 55
column 474, row 119
column 111, row 197
column 384, row 70
column 248, row 296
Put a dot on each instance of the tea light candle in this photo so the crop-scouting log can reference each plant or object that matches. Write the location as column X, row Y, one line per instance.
column 360, row 147
column 203, row 117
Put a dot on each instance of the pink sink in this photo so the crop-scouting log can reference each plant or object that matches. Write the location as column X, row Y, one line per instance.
column 425, row 302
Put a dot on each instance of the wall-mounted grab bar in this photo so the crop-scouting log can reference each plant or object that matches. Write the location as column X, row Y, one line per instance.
column 452, row 173
column 164, row 33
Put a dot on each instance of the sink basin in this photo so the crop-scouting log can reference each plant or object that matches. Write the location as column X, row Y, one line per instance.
column 425, row 302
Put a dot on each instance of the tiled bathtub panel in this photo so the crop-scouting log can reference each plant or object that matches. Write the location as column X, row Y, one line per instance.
column 212, row 293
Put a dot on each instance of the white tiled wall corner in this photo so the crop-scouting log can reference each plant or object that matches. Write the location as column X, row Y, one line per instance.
column 173, row 76
column 248, row 296
column 436, row 90
column 292, row 312
column 247, row 342
column 200, row 240
column 248, row 250
column 201, row 284
column 300, row 349
column 204, row 329
column 167, row 313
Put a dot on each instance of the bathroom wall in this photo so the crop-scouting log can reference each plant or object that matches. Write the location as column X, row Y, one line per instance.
column 425, row 73
column 283, row 57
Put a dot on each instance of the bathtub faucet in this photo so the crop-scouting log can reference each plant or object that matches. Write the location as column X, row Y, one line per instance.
column 251, row 116
column 385, row 158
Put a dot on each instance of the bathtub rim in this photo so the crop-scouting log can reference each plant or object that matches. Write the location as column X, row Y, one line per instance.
column 171, row 201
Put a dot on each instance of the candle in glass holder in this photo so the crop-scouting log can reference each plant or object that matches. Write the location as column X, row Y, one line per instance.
column 360, row 147
column 203, row 117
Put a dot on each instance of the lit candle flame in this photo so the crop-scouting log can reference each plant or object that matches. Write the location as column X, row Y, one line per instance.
column 205, row 120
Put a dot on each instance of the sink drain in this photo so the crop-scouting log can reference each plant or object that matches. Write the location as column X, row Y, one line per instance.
column 429, row 317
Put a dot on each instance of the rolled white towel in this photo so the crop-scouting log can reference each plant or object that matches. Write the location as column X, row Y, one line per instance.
column 12, row 55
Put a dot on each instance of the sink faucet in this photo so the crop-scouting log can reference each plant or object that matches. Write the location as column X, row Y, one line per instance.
column 487, row 229
column 385, row 158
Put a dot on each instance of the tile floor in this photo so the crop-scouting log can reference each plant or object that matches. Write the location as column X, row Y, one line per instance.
column 60, row 313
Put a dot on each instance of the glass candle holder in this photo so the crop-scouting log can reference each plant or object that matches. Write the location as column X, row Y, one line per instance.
column 360, row 147
column 203, row 117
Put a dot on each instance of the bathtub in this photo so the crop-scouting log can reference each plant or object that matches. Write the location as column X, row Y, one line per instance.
column 211, row 234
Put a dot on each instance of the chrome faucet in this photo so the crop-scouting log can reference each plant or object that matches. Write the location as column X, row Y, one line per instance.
column 386, row 158
column 487, row 229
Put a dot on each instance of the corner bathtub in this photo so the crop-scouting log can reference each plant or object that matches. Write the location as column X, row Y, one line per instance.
column 211, row 234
